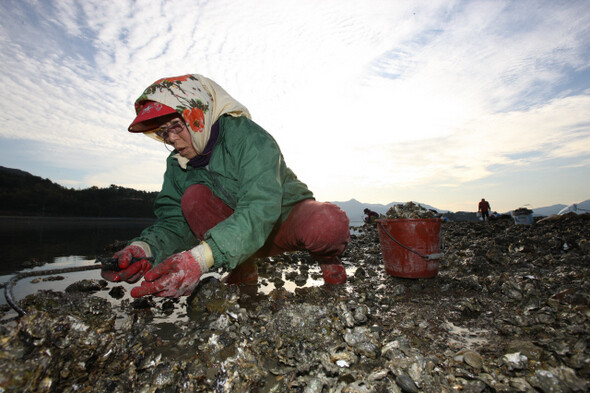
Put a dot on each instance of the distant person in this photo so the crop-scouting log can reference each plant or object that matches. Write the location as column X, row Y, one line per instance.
column 370, row 216
column 227, row 196
column 484, row 209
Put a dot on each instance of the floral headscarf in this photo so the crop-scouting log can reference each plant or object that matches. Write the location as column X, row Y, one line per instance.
column 199, row 100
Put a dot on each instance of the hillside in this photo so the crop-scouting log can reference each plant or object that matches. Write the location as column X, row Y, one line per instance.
column 23, row 194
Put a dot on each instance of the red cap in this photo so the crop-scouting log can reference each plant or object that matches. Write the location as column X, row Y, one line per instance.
column 148, row 112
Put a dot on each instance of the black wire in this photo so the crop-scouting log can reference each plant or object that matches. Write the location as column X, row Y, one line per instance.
column 8, row 288
column 107, row 264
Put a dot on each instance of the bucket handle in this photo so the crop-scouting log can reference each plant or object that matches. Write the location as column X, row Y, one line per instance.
column 428, row 257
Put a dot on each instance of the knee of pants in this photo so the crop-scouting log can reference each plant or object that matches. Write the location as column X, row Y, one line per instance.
column 202, row 209
column 327, row 230
column 192, row 199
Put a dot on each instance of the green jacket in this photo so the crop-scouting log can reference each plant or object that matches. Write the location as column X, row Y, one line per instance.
column 248, row 173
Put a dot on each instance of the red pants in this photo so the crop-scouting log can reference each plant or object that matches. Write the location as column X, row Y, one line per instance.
column 320, row 228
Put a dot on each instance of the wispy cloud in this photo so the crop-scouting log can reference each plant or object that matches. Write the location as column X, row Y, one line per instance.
column 372, row 102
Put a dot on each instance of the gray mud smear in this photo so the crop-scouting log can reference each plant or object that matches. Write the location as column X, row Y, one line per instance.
column 509, row 311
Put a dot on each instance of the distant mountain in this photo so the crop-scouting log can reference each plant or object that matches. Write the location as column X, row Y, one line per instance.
column 549, row 210
column 582, row 207
column 354, row 209
column 13, row 171
column 23, row 194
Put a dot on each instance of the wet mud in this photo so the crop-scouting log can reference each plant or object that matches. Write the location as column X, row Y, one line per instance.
column 509, row 311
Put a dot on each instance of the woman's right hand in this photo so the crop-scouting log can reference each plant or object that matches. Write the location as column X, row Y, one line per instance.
column 132, row 262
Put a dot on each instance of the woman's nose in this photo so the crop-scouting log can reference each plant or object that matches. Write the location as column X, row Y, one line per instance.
column 171, row 135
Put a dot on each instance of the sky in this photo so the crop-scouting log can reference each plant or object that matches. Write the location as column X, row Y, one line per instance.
column 439, row 102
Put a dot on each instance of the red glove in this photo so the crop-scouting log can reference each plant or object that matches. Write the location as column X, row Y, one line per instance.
column 178, row 275
column 130, row 272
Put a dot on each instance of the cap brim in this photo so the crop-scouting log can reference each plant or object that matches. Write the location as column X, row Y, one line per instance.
column 147, row 119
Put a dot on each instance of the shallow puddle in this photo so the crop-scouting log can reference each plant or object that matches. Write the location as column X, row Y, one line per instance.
column 289, row 277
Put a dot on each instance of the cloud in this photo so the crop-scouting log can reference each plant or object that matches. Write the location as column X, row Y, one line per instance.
column 385, row 96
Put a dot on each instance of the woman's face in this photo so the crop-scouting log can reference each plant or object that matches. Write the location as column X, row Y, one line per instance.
column 176, row 134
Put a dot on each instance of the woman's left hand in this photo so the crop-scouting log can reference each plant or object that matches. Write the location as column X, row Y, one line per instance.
column 176, row 276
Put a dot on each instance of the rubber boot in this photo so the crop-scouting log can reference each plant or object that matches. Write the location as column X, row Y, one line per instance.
column 334, row 273
column 245, row 273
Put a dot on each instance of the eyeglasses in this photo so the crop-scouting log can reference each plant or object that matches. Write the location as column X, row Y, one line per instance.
column 175, row 128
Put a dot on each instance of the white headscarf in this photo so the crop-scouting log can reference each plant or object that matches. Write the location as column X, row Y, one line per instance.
column 199, row 100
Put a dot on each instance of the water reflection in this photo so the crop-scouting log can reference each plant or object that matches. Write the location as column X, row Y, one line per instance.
column 45, row 238
column 58, row 243
column 64, row 243
column 159, row 313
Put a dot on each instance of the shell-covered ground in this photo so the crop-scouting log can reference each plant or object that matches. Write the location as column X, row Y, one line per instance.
column 509, row 311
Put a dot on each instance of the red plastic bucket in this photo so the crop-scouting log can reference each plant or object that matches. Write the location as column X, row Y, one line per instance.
column 410, row 247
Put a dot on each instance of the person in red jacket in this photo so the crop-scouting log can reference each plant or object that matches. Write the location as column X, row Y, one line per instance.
column 484, row 209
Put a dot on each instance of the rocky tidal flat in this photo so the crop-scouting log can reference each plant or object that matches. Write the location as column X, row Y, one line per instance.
column 509, row 311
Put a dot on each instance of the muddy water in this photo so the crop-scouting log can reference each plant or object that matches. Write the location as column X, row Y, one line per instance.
column 38, row 240
column 164, row 320
column 508, row 311
column 58, row 243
